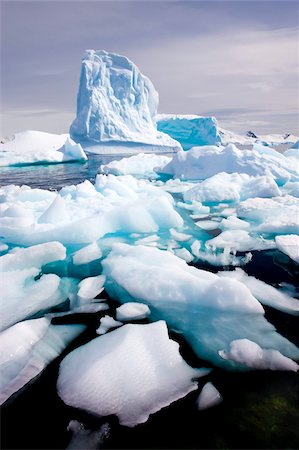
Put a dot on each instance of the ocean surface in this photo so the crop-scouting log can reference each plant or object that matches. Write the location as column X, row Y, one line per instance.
column 259, row 408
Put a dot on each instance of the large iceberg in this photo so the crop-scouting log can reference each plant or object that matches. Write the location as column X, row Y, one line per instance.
column 132, row 372
column 36, row 147
column 116, row 103
column 208, row 310
column 190, row 130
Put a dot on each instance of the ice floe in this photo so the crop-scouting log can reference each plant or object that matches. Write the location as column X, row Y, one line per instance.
column 208, row 397
column 27, row 348
column 37, row 147
column 132, row 372
column 132, row 311
column 289, row 244
column 143, row 164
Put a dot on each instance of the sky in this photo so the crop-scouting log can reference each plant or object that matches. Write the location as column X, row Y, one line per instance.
column 236, row 60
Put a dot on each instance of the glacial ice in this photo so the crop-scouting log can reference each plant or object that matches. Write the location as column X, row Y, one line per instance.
column 253, row 356
column 132, row 372
column 144, row 164
column 36, row 147
column 200, row 163
column 209, row 310
column 232, row 187
column 189, row 130
column 25, row 291
column 117, row 103
column 132, row 311
column 265, row 293
column 27, row 348
column 289, row 244
column 208, row 397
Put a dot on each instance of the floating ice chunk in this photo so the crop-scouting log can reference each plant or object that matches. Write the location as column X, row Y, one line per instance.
column 3, row 247
column 24, row 291
column 36, row 147
column 231, row 187
column 208, row 310
column 265, row 293
column 224, row 258
column 35, row 256
column 289, row 244
column 277, row 215
column 83, row 438
column 116, row 103
column 200, row 163
column 252, row 355
column 89, row 308
column 190, row 130
column 107, row 322
column 239, row 240
column 27, row 348
column 143, row 164
column 181, row 237
column 87, row 254
column 208, row 397
column 132, row 311
column 149, row 240
column 207, row 224
column 56, row 213
column 183, row 253
column 132, row 372
column 292, row 188
column 233, row 223
column 90, row 287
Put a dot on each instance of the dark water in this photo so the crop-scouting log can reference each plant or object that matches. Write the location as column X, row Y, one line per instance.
column 259, row 411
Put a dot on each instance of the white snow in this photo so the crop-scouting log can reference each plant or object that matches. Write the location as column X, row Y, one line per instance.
column 208, row 397
column 27, row 348
column 37, row 147
column 132, row 311
column 116, row 103
column 189, row 130
column 289, row 244
column 132, row 372
column 252, row 355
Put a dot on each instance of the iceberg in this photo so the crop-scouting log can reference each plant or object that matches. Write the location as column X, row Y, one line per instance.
column 27, row 348
column 117, row 103
column 36, row 147
column 209, row 310
column 200, row 163
column 189, row 130
column 132, row 372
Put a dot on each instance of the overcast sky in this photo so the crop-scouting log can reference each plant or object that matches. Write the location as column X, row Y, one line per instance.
column 236, row 60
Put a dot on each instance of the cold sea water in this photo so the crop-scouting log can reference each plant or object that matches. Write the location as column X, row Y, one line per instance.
column 259, row 408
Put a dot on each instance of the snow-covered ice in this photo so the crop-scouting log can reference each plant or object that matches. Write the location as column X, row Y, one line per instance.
column 200, row 163
column 37, row 147
column 106, row 323
column 132, row 311
column 116, row 102
column 252, row 355
column 208, row 397
column 87, row 254
column 132, row 372
column 143, row 164
column 27, row 348
column 90, row 287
